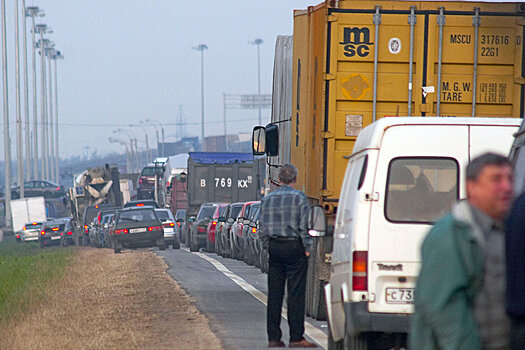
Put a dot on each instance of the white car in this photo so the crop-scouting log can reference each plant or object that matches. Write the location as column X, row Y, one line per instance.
column 171, row 235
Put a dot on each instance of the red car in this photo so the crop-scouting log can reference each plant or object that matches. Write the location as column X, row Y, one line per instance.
column 219, row 212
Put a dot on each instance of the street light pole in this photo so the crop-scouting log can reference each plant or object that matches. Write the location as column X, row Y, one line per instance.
column 7, row 148
column 29, row 158
column 41, row 29
column 51, row 144
column 258, row 42
column 162, row 132
column 148, row 153
column 201, row 48
column 19, row 149
column 56, row 56
column 33, row 11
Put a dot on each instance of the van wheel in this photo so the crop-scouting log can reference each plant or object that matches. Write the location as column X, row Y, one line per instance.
column 357, row 342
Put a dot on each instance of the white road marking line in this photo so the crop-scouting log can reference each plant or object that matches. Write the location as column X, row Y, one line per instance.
column 312, row 331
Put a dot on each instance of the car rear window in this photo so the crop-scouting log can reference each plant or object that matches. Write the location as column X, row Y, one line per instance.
column 206, row 212
column 235, row 211
column 149, row 171
column 138, row 215
column 420, row 190
column 163, row 214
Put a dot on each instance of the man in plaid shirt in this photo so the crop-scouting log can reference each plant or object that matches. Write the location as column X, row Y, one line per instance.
column 284, row 233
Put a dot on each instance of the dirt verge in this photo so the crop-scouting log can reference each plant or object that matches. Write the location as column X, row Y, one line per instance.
column 112, row 301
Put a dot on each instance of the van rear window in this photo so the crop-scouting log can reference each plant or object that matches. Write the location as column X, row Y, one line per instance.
column 420, row 190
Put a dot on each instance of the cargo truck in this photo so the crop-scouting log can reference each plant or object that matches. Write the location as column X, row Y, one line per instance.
column 355, row 62
column 220, row 177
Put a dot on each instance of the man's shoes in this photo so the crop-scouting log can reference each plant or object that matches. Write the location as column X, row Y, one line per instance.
column 276, row 344
column 301, row 344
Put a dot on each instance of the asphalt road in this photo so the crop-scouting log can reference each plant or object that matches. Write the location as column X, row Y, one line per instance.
column 231, row 294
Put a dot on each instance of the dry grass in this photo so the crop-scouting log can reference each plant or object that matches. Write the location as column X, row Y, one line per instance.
column 112, row 301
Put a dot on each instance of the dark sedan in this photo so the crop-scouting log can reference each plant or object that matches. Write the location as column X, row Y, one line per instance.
column 137, row 227
column 39, row 188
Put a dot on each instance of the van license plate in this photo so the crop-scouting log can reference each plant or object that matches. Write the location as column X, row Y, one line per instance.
column 400, row 295
column 137, row 230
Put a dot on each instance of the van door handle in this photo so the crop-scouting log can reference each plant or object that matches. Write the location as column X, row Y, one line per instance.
column 372, row 197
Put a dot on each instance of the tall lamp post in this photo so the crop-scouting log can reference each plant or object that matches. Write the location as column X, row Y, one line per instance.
column 19, row 148
column 201, row 48
column 52, row 138
column 122, row 142
column 148, row 153
column 57, row 56
column 162, row 133
column 42, row 29
column 32, row 12
column 7, row 148
column 258, row 43
column 132, row 140
column 156, row 132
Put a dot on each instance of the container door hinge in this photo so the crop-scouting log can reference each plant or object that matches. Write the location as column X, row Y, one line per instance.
column 326, row 193
column 329, row 76
column 519, row 80
column 327, row 135
column 521, row 21
column 328, row 258
column 372, row 197
column 331, row 18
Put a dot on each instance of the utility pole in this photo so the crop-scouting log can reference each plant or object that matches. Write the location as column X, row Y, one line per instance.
column 32, row 12
column 7, row 147
column 41, row 29
column 57, row 56
column 28, row 163
column 258, row 42
column 51, row 144
column 201, row 48
column 19, row 149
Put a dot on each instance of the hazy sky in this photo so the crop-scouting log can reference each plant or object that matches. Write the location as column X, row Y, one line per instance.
column 126, row 61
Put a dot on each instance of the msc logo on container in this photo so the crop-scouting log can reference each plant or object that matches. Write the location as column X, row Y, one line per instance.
column 356, row 41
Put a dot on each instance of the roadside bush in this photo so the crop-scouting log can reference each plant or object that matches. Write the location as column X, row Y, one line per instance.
column 25, row 273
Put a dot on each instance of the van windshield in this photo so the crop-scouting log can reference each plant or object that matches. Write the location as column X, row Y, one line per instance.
column 420, row 190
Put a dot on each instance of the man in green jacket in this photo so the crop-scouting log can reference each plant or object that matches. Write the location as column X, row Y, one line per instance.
column 460, row 292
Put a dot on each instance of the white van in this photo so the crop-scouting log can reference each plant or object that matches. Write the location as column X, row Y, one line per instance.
column 403, row 175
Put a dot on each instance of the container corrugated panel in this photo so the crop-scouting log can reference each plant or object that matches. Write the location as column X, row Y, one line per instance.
column 236, row 182
column 282, row 102
column 466, row 60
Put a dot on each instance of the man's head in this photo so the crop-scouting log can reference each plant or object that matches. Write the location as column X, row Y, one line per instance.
column 288, row 174
column 489, row 184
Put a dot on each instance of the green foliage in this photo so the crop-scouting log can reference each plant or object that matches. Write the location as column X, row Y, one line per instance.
column 25, row 272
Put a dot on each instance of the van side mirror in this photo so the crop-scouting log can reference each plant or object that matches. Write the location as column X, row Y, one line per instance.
column 191, row 219
column 230, row 220
column 259, row 141
column 316, row 222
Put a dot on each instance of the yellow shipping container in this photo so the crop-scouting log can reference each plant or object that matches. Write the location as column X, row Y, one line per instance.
column 357, row 61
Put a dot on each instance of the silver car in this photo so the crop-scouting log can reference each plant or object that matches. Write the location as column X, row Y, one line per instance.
column 30, row 232
column 171, row 235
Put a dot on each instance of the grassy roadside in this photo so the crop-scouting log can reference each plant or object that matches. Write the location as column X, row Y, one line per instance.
column 25, row 273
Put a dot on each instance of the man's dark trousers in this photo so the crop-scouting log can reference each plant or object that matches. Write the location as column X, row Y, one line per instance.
column 287, row 262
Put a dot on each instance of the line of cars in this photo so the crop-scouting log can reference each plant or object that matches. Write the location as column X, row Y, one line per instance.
column 138, row 224
column 228, row 229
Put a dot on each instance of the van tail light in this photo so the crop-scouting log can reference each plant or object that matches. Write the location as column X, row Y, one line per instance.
column 154, row 228
column 24, row 228
column 42, row 232
column 360, row 271
column 58, row 188
column 254, row 230
column 86, row 229
column 69, row 233
column 122, row 231
column 17, row 236
column 171, row 224
column 178, row 223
